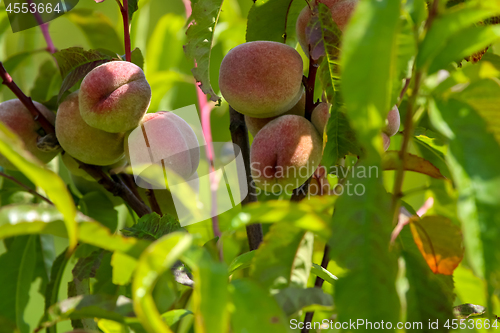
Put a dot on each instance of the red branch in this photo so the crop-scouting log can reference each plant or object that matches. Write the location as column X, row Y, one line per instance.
column 126, row 30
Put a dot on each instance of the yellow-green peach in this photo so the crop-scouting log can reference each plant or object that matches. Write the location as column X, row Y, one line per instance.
column 82, row 141
column 19, row 120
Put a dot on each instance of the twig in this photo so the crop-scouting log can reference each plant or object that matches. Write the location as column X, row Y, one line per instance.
column 239, row 135
column 126, row 29
column 27, row 102
column 309, row 84
column 408, row 127
column 35, row 193
column 153, row 202
column 318, row 284
column 45, row 30
column 301, row 192
column 403, row 91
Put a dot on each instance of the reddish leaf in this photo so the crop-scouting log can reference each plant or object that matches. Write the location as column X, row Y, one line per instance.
column 439, row 241
column 412, row 163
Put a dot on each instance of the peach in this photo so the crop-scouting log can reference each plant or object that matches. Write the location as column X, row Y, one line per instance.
column 254, row 125
column 285, row 152
column 393, row 122
column 83, row 142
column 114, row 96
column 341, row 13
column 170, row 139
column 19, row 120
column 261, row 79
column 320, row 116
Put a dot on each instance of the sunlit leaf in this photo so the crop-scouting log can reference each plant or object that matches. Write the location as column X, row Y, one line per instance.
column 200, row 38
column 284, row 257
column 255, row 309
column 323, row 273
column 157, row 258
column 412, row 162
column 12, row 148
column 241, row 261
column 439, row 241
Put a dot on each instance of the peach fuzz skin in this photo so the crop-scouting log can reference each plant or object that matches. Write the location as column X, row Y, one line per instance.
column 261, row 79
column 114, row 96
column 286, row 151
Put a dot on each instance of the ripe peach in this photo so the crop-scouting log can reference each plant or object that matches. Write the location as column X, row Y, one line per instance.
column 19, row 120
column 170, row 139
column 261, row 79
column 114, row 96
column 255, row 124
column 86, row 143
column 341, row 13
column 393, row 122
column 285, row 152
column 320, row 116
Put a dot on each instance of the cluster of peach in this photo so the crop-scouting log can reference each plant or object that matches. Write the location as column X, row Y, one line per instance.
column 263, row 81
column 95, row 124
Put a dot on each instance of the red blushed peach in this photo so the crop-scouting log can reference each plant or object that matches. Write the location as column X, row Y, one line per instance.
column 285, row 153
column 83, row 142
column 170, row 139
column 393, row 122
column 254, row 125
column 320, row 116
column 19, row 120
column 341, row 13
column 261, row 79
column 114, row 96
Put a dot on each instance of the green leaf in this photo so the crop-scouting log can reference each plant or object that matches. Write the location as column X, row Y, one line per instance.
column 18, row 266
column 467, row 42
column 340, row 139
column 138, row 57
column 33, row 219
column 293, row 299
column 97, row 28
column 46, row 82
column 86, row 267
column 411, row 163
column 473, row 161
column 14, row 61
column 211, row 294
column 484, row 97
column 433, row 148
column 241, row 261
column 132, row 8
column 360, row 243
column 450, row 25
column 273, row 20
column 99, row 207
column 369, row 65
column 52, row 290
column 255, row 310
column 153, row 226
column 311, row 215
column 200, row 37
column 123, row 268
column 11, row 147
column 464, row 311
column 323, row 273
column 157, row 258
column 75, row 63
column 90, row 306
column 284, row 258
column 430, row 296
